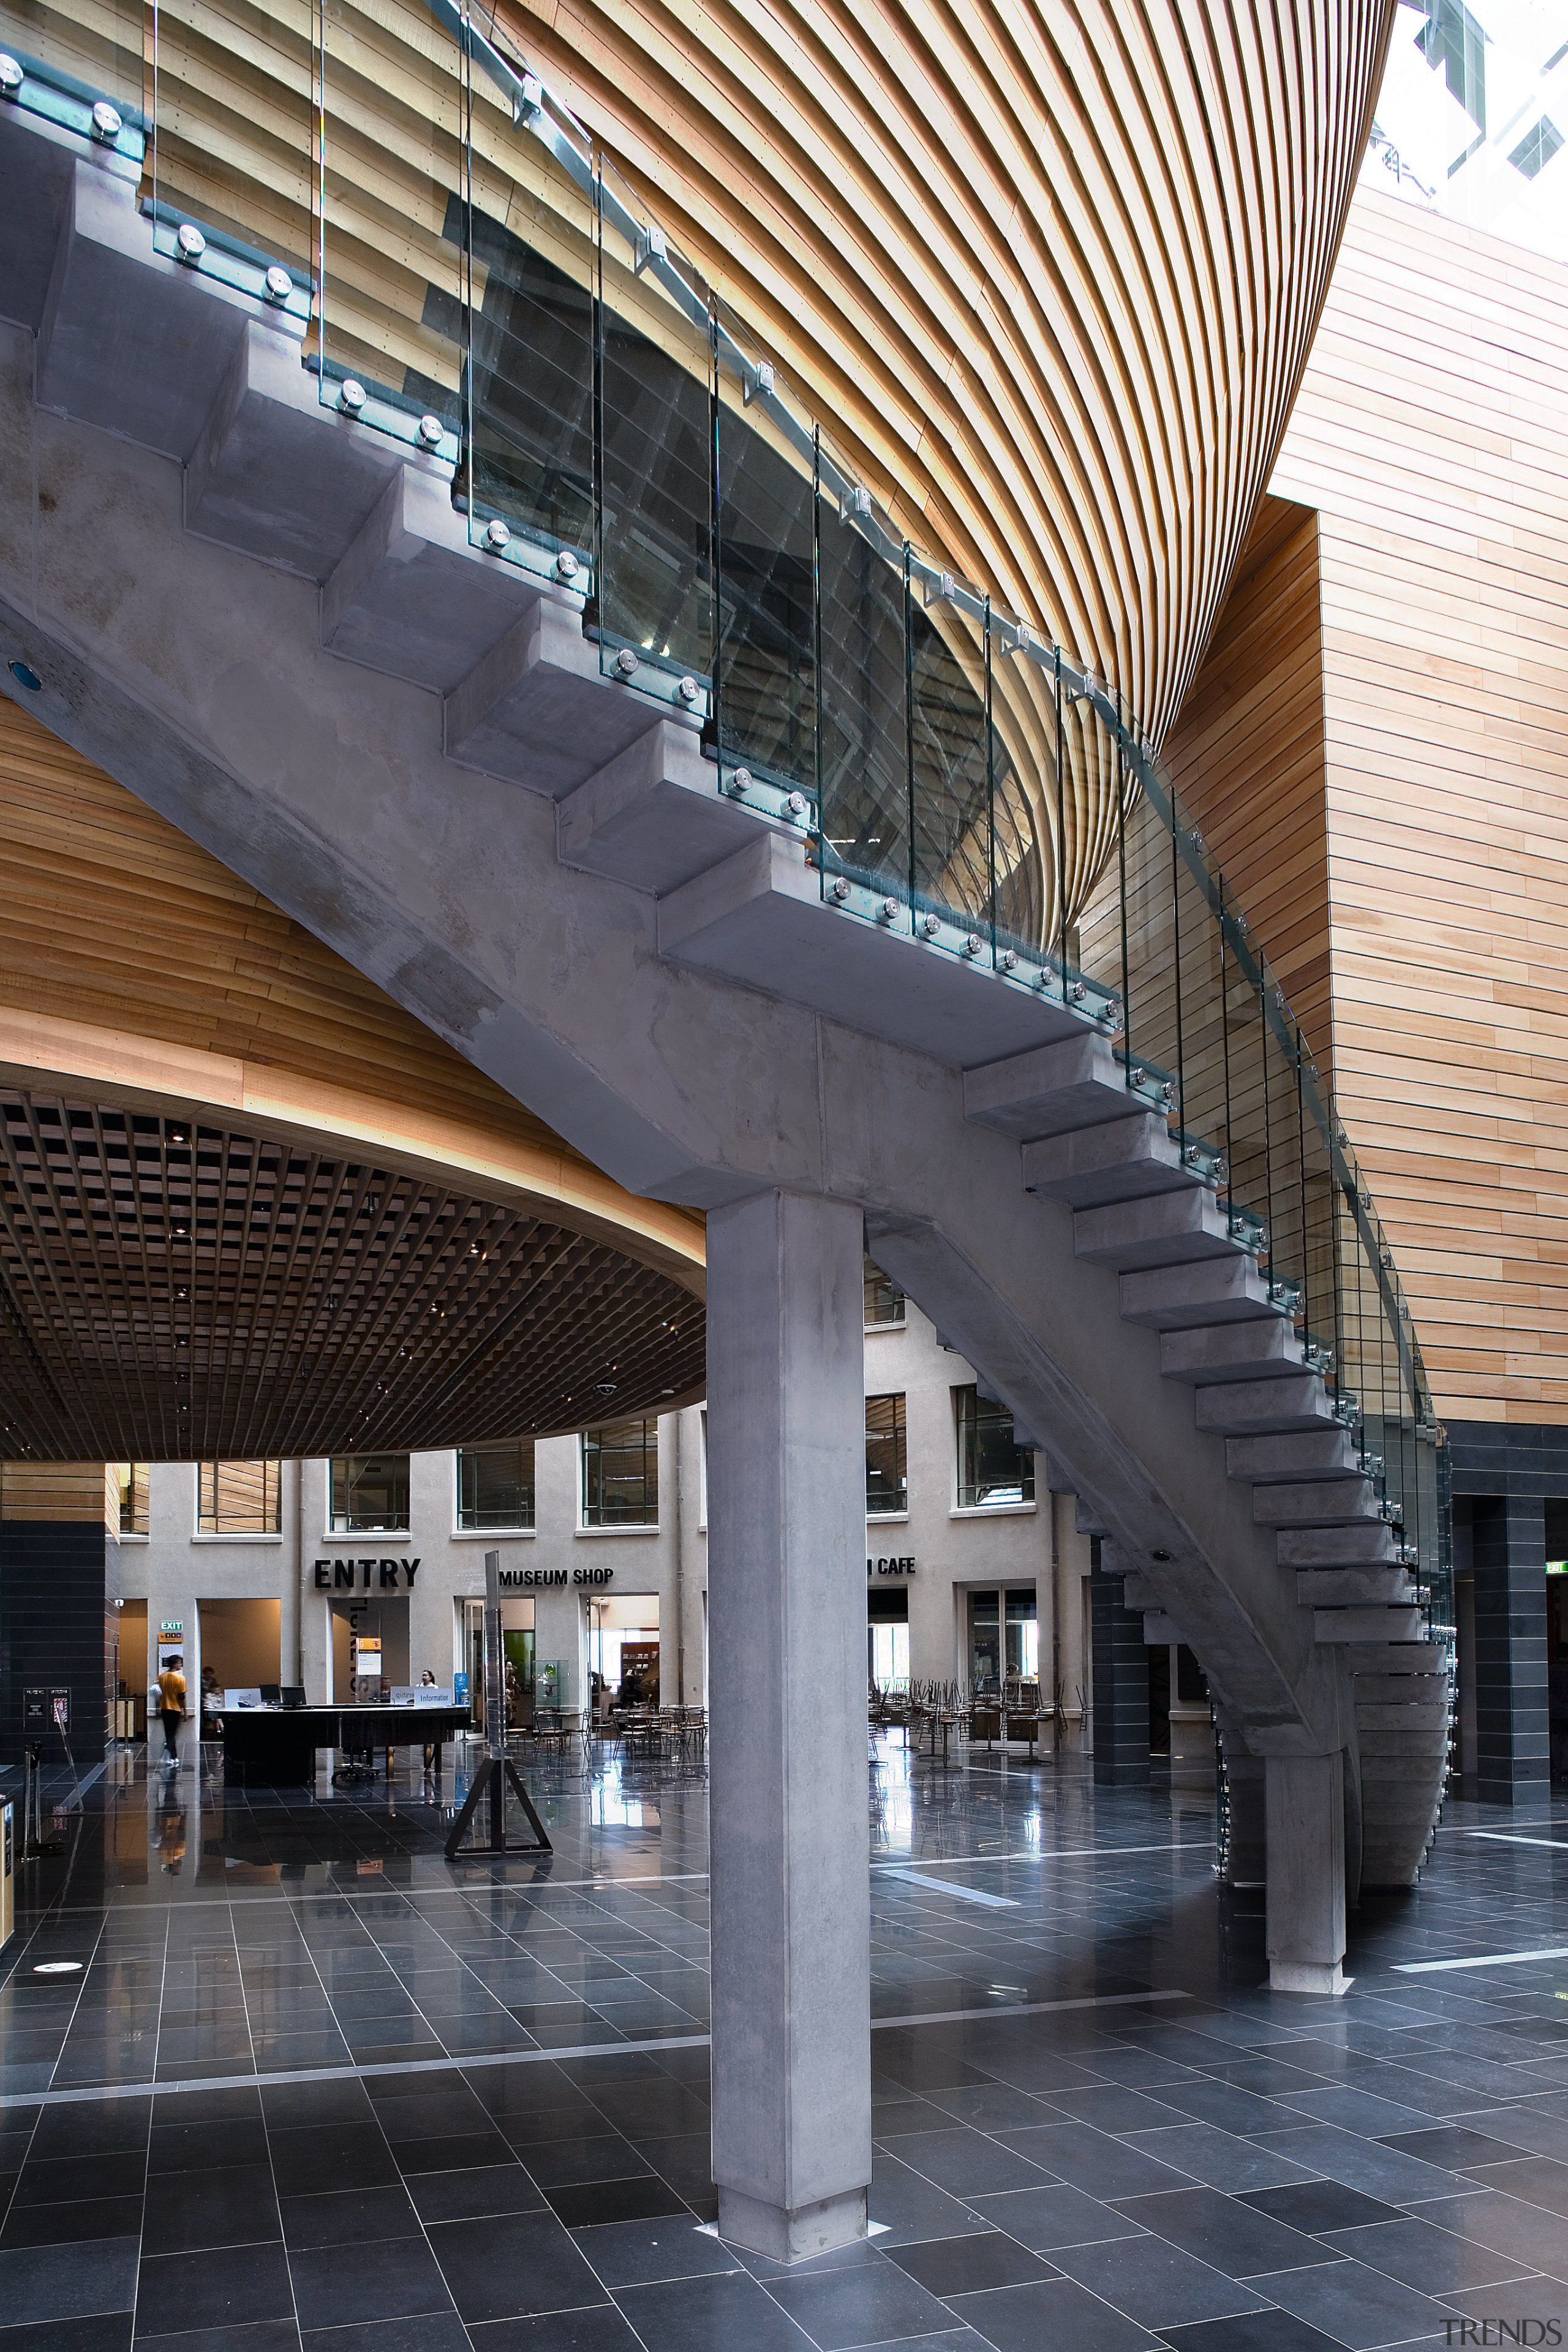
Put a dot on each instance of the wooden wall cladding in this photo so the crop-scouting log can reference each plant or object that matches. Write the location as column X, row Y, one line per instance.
column 1247, row 755
column 1428, row 437
column 55, row 1492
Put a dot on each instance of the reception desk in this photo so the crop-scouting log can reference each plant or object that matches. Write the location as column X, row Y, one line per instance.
column 276, row 1746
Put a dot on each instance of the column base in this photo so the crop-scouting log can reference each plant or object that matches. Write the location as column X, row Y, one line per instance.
column 785, row 2236
column 1306, row 1975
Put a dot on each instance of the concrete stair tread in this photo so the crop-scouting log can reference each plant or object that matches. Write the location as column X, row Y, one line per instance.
column 1199, row 1294
column 1357, row 1624
column 1210, row 1354
column 1339, row 1588
column 1258, row 1408
column 1166, row 1229
column 1125, row 1160
column 1324, row 1503
column 1367, row 1543
column 1294, row 1457
column 1054, row 1090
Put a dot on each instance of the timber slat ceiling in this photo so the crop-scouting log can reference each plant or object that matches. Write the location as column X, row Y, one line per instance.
column 1046, row 275
column 170, row 1292
column 1051, row 272
column 181, row 1280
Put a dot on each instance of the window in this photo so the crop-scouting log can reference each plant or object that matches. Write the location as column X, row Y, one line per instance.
column 495, row 1486
column 370, row 1493
column 992, row 1469
column 239, row 1498
column 620, row 1476
column 886, row 1483
column 1537, row 147
column 884, row 1299
column 133, row 1497
column 1451, row 37
column 1023, row 1637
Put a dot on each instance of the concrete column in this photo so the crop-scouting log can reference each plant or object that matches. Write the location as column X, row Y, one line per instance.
column 293, row 1518
column 1512, row 1733
column 1305, row 1803
column 789, row 1815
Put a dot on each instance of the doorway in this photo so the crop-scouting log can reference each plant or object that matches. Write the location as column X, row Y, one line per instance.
column 369, row 1648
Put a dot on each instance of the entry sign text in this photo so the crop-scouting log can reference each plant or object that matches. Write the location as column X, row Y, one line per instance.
column 904, row 1566
column 345, row 1575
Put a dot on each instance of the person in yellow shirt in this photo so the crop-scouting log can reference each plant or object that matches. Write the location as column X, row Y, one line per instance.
column 171, row 1706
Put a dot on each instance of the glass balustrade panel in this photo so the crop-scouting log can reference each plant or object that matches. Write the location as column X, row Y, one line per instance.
column 533, row 265
column 764, row 716
column 1150, row 916
column 1287, row 1253
column 77, row 57
column 233, row 149
column 393, row 165
column 963, row 783
column 654, row 570
column 1200, row 1007
column 1245, row 1050
column 1321, row 1300
column 1097, row 929
column 863, row 691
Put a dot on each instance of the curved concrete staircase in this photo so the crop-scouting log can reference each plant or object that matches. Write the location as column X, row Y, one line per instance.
column 267, row 618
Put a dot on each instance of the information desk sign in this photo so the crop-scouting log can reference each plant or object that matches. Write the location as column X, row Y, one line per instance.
column 46, row 1710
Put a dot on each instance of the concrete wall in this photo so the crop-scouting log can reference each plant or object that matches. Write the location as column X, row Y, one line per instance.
column 174, row 1570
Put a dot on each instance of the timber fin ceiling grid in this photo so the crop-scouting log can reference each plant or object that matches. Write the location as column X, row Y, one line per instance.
column 171, row 1291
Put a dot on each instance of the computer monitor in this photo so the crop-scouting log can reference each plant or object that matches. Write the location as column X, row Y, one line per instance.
column 271, row 1694
column 293, row 1694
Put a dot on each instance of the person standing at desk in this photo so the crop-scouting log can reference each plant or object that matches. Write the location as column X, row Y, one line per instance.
column 171, row 1706
column 427, row 1682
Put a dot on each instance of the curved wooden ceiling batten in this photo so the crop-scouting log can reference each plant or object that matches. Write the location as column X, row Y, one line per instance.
column 249, row 1206
column 1047, row 274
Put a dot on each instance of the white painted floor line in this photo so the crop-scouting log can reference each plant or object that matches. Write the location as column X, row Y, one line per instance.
column 1517, row 1837
column 465, row 2064
column 1048, row 1854
column 952, row 1887
column 1479, row 1961
column 1028, row 2008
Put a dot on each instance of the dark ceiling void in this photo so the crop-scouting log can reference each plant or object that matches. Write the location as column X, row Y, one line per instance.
column 179, row 1292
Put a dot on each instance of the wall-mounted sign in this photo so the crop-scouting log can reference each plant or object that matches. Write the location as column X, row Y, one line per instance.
column 172, row 1626
column 46, row 1710
column 345, row 1575
column 904, row 1566
column 533, row 1580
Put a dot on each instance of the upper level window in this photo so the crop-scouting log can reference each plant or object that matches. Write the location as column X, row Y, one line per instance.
column 495, row 1486
column 887, row 1480
column 132, row 1478
column 884, row 1299
column 620, row 1476
column 370, row 1493
column 239, row 1498
column 992, row 1468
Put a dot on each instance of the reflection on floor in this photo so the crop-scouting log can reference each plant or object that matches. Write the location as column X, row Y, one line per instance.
column 306, row 2081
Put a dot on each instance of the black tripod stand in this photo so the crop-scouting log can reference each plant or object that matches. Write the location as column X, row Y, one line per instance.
column 492, row 1779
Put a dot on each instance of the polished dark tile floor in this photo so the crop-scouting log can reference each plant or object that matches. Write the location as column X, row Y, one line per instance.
column 308, row 2086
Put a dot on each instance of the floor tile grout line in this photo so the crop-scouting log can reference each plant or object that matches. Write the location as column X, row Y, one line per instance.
column 659, row 1944
column 84, row 1979
column 143, row 2087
